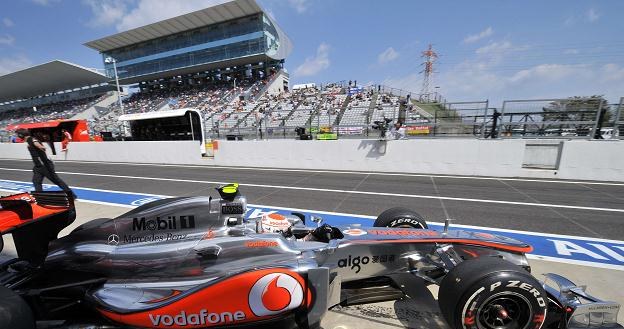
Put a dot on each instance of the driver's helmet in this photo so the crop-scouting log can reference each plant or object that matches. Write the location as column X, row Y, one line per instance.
column 275, row 223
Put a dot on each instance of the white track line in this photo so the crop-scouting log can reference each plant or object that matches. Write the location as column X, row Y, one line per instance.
column 323, row 212
column 298, row 188
column 208, row 167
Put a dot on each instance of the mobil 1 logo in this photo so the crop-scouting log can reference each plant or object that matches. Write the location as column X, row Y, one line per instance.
column 159, row 224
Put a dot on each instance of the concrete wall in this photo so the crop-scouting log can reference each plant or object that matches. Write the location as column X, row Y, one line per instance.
column 586, row 160
column 178, row 152
column 579, row 159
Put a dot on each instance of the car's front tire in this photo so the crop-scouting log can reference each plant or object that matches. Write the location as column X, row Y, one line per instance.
column 400, row 217
column 490, row 293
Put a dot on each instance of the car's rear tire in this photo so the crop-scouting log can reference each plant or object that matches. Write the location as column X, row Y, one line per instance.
column 488, row 293
column 400, row 217
column 14, row 312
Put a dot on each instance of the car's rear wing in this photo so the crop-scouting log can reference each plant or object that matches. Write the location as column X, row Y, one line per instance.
column 35, row 219
column 27, row 208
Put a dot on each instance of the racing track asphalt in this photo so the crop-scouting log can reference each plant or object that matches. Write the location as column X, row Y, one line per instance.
column 465, row 199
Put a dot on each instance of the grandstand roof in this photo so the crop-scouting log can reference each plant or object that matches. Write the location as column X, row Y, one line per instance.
column 47, row 78
column 227, row 10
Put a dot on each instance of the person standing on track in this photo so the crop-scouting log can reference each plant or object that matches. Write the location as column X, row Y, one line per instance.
column 44, row 167
column 66, row 139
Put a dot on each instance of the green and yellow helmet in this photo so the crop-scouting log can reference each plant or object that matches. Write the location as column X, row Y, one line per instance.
column 228, row 192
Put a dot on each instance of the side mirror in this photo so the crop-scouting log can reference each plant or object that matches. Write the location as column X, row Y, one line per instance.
column 316, row 219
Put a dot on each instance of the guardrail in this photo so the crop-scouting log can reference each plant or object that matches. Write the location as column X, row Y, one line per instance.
column 569, row 117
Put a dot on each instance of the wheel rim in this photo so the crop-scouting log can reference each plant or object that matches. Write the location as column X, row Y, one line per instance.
column 505, row 311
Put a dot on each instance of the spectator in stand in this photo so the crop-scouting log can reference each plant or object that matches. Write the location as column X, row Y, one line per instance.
column 398, row 131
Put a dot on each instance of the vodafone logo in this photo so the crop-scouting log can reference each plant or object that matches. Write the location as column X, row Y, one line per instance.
column 354, row 232
column 275, row 293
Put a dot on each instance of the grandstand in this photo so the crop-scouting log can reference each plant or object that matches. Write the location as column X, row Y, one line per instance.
column 226, row 60
column 217, row 59
column 50, row 91
column 222, row 44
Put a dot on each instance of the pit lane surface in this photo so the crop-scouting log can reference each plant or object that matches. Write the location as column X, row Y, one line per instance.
column 590, row 209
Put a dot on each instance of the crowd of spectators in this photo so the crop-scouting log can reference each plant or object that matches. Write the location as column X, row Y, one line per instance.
column 43, row 113
column 228, row 109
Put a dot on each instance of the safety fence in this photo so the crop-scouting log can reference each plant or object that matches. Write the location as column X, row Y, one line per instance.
column 573, row 118
column 576, row 117
column 570, row 118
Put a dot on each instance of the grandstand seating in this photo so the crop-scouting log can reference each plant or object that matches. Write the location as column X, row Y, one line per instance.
column 357, row 115
column 54, row 111
column 225, row 110
column 387, row 107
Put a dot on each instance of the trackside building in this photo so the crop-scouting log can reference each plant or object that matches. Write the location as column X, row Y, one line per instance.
column 231, row 37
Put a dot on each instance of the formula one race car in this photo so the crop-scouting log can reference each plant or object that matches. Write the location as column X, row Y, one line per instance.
column 196, row 262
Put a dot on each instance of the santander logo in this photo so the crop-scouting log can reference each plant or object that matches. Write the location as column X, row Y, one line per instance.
column 354, row 232
column 275, row 293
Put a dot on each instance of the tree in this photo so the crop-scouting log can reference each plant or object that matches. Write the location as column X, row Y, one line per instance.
column 575, row 109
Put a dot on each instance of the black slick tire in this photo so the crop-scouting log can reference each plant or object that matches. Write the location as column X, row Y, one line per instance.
column 487, row 293
column 400, row 217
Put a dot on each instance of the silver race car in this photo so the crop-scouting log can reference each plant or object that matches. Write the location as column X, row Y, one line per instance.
column 197, row 262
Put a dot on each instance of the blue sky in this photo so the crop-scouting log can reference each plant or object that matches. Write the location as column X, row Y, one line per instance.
column 488, row 49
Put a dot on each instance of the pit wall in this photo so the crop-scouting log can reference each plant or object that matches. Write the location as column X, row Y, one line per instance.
column 174, row 152
column 576, row 159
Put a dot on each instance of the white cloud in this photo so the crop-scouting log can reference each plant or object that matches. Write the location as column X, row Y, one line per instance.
column 613, row 72
column 315, row 64
column 387, row 55
column 7, row 40
column 129, row 14
column 548, row 72
column 476, row 37
column 569, row 21
column 12, row 64
column 494, row 48
column 539, row 81
column 106, row 12
column 7, row 22
column 44, row 2
column 592, row 15
column 495, row 72
column 299, row 5
column 495, row 52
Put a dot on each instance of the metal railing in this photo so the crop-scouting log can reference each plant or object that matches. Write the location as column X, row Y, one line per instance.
column 454, row 119
column 552, row 118
column 585, row 118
